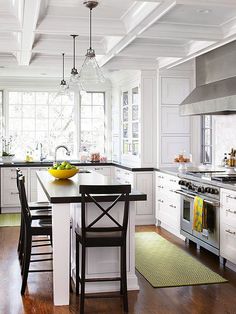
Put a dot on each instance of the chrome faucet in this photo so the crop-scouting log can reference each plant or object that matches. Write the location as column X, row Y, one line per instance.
column 56, row 149
column 40, row 147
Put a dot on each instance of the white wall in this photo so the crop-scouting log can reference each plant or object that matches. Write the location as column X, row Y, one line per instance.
column 224, row 136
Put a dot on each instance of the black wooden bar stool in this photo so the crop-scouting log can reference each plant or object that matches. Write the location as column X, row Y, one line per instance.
column 36, row 227
column 91, row 235
column 39, row 210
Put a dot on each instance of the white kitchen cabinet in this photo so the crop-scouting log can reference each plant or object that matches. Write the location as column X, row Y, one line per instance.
column 32, row 190
column 167, row 203
column 228, row 225
column 172, row 122
column 105, row 170
column 9, row 192
column 143, row 182
column 174, row 90
column 172, row 146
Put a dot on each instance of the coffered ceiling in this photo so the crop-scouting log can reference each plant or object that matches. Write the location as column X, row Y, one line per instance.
column 127, row 34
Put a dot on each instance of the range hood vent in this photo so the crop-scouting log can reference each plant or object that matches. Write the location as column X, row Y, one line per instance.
column 216, row 84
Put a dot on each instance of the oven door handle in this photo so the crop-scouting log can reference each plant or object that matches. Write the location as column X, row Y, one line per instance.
column 215, row 204
column 184, row 194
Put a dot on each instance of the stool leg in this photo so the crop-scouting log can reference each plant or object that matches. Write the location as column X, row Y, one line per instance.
column 20, row 235
column 77, row 282
column 124, row 279
column 27, row 254
column 82, row 291
column 121, row 271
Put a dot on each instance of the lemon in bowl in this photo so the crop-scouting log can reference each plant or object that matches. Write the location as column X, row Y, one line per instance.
column 63, row 171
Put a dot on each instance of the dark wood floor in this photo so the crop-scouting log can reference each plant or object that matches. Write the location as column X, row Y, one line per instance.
column 204, row 299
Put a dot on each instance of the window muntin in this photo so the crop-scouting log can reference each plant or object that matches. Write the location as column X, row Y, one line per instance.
column 207, row 139
column 92, row 117
column 35, row 117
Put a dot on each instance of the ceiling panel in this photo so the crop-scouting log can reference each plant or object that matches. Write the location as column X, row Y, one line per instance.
column 200, row 15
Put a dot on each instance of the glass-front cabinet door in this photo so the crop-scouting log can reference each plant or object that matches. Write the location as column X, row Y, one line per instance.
column 130, row 118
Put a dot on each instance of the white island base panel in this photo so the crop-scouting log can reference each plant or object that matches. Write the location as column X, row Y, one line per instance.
column 105, row 262
column 101, row 262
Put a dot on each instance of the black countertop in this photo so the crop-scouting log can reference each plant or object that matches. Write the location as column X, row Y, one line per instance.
column 67, row 191
column 76, row 163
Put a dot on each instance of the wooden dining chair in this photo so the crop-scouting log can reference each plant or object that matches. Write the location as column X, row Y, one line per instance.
column 32, row 228
column 94, row 234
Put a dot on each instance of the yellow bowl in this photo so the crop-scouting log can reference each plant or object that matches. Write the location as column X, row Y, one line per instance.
column 63, row 174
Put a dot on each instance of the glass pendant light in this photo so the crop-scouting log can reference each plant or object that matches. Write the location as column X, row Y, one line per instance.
column 75, row 83
column 63, row 89
column 90, row 73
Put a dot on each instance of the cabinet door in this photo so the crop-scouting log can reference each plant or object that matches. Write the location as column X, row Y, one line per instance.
column 106, row 171
column 174, row 90
column 171, row 146
column 228, row 242
column 33, row 183
column 172, row 122
column 144, row 183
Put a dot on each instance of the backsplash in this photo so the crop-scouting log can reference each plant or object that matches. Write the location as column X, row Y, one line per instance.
column 224, row 136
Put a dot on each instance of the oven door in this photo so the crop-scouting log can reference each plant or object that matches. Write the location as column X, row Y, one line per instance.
column 186, row 211
column 211, row 236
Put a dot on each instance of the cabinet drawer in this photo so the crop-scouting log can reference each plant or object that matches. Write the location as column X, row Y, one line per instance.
column 228, row 199
column 228, row 215
column 228, row 242
column 10, row 198
column 106, row 171
column 9, row 178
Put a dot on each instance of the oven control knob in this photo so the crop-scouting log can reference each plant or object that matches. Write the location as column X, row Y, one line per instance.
column 190, row 187
column 215, row 191
column 181, row 182
column 207, row 190
column 201, row 189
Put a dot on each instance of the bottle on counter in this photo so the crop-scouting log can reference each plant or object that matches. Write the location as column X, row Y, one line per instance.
column 224, row 161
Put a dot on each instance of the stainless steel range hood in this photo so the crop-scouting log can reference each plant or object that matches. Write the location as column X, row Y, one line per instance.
column 216, row 83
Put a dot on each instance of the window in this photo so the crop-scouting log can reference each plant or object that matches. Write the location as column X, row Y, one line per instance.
column 92, row 117
column 33, row 117
column 207, row 139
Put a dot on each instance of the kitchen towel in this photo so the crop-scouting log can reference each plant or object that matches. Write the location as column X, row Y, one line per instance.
column 199, row 214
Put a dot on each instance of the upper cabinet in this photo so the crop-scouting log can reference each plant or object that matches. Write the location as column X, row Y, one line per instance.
column 130, row 118
column 174, row 90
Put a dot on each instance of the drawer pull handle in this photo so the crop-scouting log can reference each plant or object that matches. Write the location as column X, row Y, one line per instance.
column 172, row 206
column 13, row 178
column 171, row 190
column 160, row 186
column 231, row 197
column 230, row 232
column 14, row 193
column 161, row 201
column 161, row 177
column 231, row 211
column 171, row 180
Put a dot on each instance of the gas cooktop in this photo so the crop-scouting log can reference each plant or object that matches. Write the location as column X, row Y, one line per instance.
column 217, row 175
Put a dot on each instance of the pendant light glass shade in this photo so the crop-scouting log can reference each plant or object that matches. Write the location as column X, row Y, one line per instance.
column 91, row 73
column 75, row 83
column 63, row 89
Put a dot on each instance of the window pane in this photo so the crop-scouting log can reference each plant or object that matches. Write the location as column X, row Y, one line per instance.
column 86, row 111
column 33, row 117
column 125, row 99
column 98, row 111
column 28, row 98
column 125, row 114
column 135, row 130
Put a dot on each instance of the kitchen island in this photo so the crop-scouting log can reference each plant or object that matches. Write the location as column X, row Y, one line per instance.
column 65, row 199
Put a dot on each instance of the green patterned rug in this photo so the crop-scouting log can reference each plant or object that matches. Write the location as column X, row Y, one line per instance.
column 163, row 264
column 9, row 220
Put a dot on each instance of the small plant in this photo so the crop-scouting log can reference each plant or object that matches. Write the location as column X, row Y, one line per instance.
column 6, row 147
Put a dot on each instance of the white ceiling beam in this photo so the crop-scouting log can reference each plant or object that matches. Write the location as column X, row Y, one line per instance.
column 153, row 51
column 202, row 51
column 209, row 3
column 183, row 32
column 31, row 14
column 118, row 63
column 143, row 24
column 67, row 26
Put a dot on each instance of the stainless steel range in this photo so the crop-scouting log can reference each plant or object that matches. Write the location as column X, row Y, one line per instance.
column 209, row 238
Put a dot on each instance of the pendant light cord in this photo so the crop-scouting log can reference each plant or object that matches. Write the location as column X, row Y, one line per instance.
column 63, row 66
column 74, row 51
column 90, row 41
